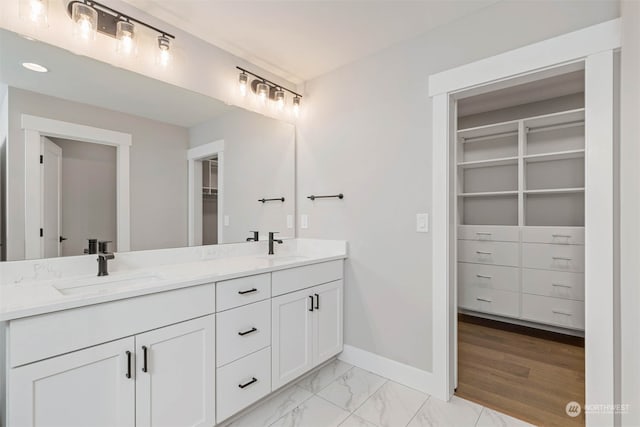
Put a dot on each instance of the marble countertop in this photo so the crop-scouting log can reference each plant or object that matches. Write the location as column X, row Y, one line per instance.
column 32, row 297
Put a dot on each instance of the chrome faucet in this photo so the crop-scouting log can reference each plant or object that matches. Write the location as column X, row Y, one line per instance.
column 103, row 257
column 255, row 237
column 272, row 240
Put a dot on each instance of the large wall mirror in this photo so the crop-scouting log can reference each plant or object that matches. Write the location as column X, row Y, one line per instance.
column 91, row 151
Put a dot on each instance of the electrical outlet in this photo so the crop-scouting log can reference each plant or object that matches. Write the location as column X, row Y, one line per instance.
column 226, row 220
column 289, row 221
column 304, row 221
column 422, row 223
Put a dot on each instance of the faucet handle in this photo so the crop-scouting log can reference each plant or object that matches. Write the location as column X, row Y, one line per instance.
column 103, row 246
column 256, row 236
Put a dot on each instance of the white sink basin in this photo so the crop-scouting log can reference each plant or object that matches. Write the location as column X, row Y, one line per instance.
column 285, row 258
column 105, row 284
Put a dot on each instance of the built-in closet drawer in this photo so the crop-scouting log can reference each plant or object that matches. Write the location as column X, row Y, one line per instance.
column 487, row 233
column 496, row 253
column 554, row 311
column 480, row 276
column 558, row 284
column 293, row 279
column 243, row 382
column 553, row 257
column 554, row 235
column 242, row 331
column 503, row 303
column 241, row 291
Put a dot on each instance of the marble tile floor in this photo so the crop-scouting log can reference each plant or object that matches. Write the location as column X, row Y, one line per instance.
column 343, row 395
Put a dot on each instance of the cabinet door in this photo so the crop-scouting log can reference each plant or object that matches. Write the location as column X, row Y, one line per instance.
column 85, row 388
column 328, row 321
column 176, row 380
column 292, row 331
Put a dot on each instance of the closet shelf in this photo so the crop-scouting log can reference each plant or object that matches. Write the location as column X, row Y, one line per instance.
column 488, row 132
column 557, row 155
column 489, row 194
column 490, row 162
column 556, row 191
column 555, row 119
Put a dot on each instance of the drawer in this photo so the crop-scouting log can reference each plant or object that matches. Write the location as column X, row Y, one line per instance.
column 553, row 311
column 480, row 276
column 502, row 303
column 293, row 279
column 553, row 257
column 243, row 382
column 242, row 331
column 558, row 284
column 39, row 337
column 555, row 235
column 488, row 233
column 244, row 290
column 496, row 253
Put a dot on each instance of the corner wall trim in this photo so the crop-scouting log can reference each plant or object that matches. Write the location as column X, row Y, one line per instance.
column 396, row 371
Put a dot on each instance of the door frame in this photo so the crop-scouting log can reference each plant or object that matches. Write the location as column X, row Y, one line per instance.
column 34, row 127
column 594, row 46
column 195, row 156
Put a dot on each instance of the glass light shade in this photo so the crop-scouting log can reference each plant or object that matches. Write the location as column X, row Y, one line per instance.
column 127, row 40
column 296, row 106
column 164, row 51
column 263, row 92
column 85, row 21
column 34, row 11
column 243, row 79
column 279, row 98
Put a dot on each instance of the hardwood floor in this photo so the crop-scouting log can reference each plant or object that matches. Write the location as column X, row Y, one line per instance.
column 504, row 367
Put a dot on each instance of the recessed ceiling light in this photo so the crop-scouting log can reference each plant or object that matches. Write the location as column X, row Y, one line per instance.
column 35, row 67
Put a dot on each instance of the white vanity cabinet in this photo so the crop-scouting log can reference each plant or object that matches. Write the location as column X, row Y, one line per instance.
column 307, row 323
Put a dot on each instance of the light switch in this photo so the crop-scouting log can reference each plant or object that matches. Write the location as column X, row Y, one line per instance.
column 304, row 221
column 422, row 223
column 289, row 221
column 226, row 220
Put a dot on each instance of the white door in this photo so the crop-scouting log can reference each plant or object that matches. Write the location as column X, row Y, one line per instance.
column 51, row 204
column 327, row 321
column 292, row 336
column 80, row 389
column 175, row 375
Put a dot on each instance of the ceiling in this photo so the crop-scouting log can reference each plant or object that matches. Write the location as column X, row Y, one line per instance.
column 300, row 40
column 85, row 80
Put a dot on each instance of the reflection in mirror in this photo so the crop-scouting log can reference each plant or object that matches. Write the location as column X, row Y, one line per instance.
column 130, row 160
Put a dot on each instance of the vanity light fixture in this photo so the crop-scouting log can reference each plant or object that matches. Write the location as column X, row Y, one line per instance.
column 126, row 36
column 85, row 21
column 32, row 66
column 34, row 11
column 164, row 47
column 267, row 90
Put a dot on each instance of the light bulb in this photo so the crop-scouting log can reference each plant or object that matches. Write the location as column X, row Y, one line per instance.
column 34, row 11
column 279, row 97
column 85, row 21
column 242, row 83
column 296, row 106
column 126, row 36
column 263, row 92
column 164, row 54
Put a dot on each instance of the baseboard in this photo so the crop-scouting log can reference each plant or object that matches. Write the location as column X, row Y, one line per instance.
column 396, row 371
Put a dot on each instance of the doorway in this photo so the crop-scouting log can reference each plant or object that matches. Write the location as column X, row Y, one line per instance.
column 210, row 201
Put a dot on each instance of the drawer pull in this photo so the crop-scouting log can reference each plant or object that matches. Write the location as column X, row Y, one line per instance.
column 484, row 253
column 247, row 384
column 483, row 299
column 483, row 233
column 250, row 331
column 564, row 313
column 566, row 236
column 482, row 276
column 560, row 285
column 248, row 291
column 144, row 358
column 311, row 298
column 128, row 374
column 560, row 258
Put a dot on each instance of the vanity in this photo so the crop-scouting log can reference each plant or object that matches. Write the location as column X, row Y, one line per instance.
column 180, row 337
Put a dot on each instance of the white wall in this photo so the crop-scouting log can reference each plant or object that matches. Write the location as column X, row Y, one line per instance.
column 158, row 177
column 88, row 194
column 366, row 132
column 259, row 162
column 630, row 213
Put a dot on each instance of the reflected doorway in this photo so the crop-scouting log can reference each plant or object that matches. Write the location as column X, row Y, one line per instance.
column 210, row 201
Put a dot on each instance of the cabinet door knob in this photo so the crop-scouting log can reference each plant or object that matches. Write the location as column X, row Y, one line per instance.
column 248, row 291
column 311, row 306
column 144, row 358
column 247, row 332
column 247, row 384
column 128, row 374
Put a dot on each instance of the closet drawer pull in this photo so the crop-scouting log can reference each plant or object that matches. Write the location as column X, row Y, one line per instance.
column 566, row 236
column 560, row 258
column 483, row 233
column 564, row 313
column 247, row 384
column 482, row 276
column 248, row 291
column 250, row 331
column 483, row 299
column 484, row 253
column 560, row 285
